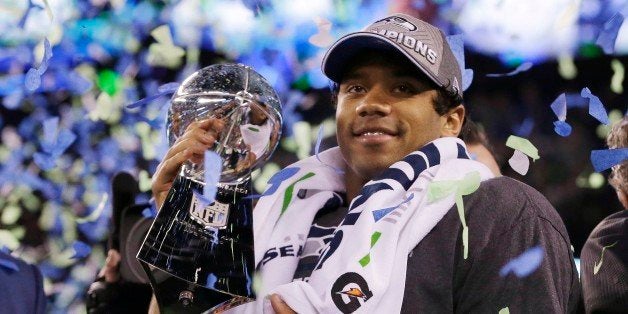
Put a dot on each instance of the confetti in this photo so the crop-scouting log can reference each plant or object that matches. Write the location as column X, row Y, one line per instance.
column 8, row 240
column 163, row 90
column 562, row 128
column 617, row 81
column 519, row 162
column 456, row 43
column 96, row 213
column 607, row 37
column 607, row 158
column 505, row 310
column 524, row 145
column 81, row 250
column 213, row 170
column 317, row 148
column 33, row 76
column 323, row 38
column 596, row 108
column 164, row 52
column 54, row 143
column 524, row 264
column 598, row 265
column 559, row 106
column 521, row 68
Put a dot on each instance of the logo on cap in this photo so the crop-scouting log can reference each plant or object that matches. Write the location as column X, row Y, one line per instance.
column 399, row 21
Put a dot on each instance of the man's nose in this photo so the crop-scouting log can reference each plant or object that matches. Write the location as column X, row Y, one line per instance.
column 374, row 102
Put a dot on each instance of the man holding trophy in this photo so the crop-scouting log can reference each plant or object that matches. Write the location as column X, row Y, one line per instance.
column 357, row 228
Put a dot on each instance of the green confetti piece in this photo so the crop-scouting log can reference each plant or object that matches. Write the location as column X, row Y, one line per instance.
column 108, row 82
column 253, row 129
column 596, row 267
column 617, row 81
column 465, row 228
column 95, row 214
column 8, row 240
column 504, row 311
column 469, row 184
column 162, row 34
column 440, row 189
column 566, row 67
column 287, row 198
column 523, row 145
column 145, row 181
column 11, row 214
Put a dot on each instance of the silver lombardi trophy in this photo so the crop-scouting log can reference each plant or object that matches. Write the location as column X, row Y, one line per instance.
column 197, row 255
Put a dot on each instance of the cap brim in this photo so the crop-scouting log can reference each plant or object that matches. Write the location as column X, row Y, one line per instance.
column 342, row 52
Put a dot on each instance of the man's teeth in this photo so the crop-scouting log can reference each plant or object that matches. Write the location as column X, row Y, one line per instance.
column 372, row 133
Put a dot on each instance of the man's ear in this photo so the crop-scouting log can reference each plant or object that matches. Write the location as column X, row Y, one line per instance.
column 452, row 121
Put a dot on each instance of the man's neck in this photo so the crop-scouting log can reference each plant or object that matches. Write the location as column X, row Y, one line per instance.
column 353, row 183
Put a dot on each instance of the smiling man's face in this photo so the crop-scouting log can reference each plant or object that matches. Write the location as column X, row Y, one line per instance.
column 385, row 111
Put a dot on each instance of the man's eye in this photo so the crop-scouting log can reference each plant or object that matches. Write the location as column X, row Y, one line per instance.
column 355, row 89
column 403, row 88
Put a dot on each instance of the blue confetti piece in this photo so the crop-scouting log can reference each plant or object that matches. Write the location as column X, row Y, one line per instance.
column 81, row 250
column 562, row 128
column 149, row 212
column 168, row 88
column 607, row 158
column 607, row 37
column 277, row 178
column 456, row 43
column 9, row 265
column 381, row 213
column 524, row 128
column 524, row 264
column 44, row 161
column 50, row 134
column 596, row 108
column 213, row 170
column 521, row 68
column 32, row 81
column 13, row 101
column 559, row 106
column 211, row 280
column 467, row 79
column 319, row 139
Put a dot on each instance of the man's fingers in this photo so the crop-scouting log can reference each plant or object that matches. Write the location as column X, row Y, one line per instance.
column 279, row 306
column 111, row 266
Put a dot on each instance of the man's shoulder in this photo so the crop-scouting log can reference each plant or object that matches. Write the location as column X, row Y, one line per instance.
column 507, row 203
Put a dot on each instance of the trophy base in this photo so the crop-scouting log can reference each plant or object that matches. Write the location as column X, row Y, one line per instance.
column 175, row 295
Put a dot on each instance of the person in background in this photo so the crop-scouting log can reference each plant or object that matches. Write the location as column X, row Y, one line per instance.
column 21, row 286
column 604, row 257
column 478, row 145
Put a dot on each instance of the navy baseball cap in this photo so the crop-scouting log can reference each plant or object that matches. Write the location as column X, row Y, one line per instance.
column 423, row 44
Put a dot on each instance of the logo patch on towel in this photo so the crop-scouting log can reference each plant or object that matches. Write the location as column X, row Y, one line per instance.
column 350, row 291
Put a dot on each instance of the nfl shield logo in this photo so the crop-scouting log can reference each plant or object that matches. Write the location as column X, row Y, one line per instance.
column 214, row 215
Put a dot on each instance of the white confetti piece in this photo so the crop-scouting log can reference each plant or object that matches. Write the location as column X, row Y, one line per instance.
column 519, row 162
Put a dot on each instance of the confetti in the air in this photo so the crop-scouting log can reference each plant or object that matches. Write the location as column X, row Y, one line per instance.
column 608, row 35
column 96, row 213
column 562, row 128
column 519, row 162
column 596, row 108
column 53, row 144
column 456, row 43
column 213, row 170
column 524, row 264
column 32, row 80
column 521, row 68
column 524, row 145
column 617, row 81
column 606, row 158
column 81, row 250
column 559, row 106
column 163, row 90
column 323, row 38
column 317, row 147
column 505, row 310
